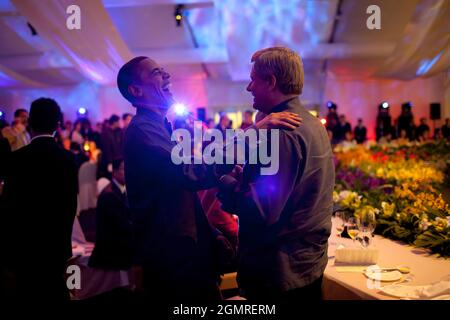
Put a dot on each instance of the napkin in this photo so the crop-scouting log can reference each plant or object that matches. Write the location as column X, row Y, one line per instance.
column 356, row 256
column 436, row 290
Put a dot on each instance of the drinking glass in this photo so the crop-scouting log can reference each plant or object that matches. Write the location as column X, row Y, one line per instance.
column 366, row 224
column 339, row 221
column 352, row 228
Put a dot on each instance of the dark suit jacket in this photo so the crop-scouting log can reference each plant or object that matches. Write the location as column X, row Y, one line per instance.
column 285, row 219
column 5, row 151
column 40, row 201
column 113, row 245
column 173, row 237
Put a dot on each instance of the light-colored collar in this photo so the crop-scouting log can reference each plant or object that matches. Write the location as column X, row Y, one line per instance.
column 121, row 187
column 43, row 136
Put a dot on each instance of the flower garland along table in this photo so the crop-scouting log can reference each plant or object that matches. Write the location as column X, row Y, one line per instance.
column 425, row 269
column 402, row 186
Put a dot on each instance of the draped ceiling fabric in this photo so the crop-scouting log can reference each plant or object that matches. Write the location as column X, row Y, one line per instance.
column 252, row 25
column 96, row 50
column 9, row 78
column 424, row 49
column 209, row 58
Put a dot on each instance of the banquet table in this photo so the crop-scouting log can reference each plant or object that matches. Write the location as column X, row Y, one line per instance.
column 95, row 281
column 425, row 269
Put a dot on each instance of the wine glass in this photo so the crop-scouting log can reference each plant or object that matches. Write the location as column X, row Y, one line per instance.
column 352, row 228
column 339, row 222
column 366, row 224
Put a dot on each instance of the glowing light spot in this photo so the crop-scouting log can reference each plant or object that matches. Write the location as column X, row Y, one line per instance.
column 323, row 121
column 180, row 109
column 82, row 111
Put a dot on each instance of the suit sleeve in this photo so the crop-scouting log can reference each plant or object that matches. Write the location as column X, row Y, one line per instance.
column 155, row 161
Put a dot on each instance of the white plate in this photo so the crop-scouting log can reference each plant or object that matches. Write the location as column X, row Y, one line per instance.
column 384, row 276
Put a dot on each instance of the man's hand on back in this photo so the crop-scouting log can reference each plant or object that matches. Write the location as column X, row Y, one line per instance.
column 280, row 120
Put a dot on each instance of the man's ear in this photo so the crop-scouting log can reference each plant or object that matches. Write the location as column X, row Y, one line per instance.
column 135, row 91
column 272, row 81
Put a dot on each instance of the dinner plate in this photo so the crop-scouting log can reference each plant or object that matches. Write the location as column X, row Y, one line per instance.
column 384, row 276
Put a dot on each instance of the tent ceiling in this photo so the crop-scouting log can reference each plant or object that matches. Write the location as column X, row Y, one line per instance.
column 226, row 32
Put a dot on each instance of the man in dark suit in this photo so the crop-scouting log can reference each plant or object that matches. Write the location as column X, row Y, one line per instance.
column 40, row 198
column 360, row 132
column 285, row 218
column 175, row 244
column 113, row 244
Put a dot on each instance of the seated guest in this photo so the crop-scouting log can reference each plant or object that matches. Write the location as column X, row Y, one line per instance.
column 386, row 139
column 113, row 245
column 40, row 202
column 424, row 136
column 348, row 142
column 17, row 134
column 402, row 139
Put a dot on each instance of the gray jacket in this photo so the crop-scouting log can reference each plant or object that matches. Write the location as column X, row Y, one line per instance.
column 285, row 219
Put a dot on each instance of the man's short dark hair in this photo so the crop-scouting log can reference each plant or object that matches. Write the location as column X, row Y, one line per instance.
column 45, row 114
column 127, row 75
column 113, row 119
column 126, row 115
column 249, row 112
column 18, row 112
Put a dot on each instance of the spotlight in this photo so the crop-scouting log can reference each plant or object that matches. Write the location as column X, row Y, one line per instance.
column 385, row 105
column 82, row 111
column 323, row 121
column 331, row 105
column 1, row 114
column 178, row 14
column 180, row 109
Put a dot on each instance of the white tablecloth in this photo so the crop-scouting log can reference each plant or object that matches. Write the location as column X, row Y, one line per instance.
column 425, row 270
column 95, row 281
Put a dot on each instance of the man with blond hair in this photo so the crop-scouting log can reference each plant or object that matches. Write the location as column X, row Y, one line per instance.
column 284, row 219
